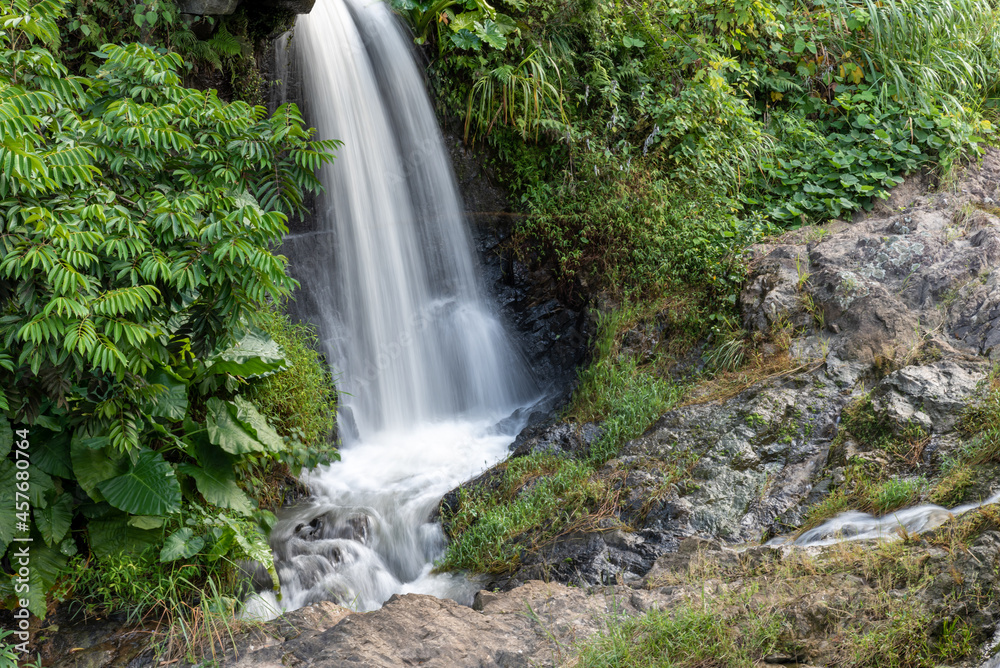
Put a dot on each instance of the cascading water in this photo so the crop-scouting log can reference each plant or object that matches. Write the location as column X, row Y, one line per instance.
column 426, row 370
column 854, row 525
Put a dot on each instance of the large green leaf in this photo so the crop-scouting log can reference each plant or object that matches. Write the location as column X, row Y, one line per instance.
column 53, row 522
column 256, row 424
column 225, row 431
column 182, row 544
column 47, row 565
column 148, row 488
column 7, row 516
column 93, row 465
column 256, row 354
column 40, row 487
column 224, row 539
column 145, row 521
column 491, row 33
column 51, row 453
column 255, row 548
column 171, row 402
column 219, row 487
column 114, row 535
column 6, row 437
column 48, row 422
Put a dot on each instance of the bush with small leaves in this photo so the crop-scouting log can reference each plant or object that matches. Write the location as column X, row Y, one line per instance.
column 138, row 218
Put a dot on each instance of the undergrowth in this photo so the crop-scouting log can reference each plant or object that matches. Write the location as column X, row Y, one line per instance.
column 769, row 601
column 691, row 635
column 537, row 498
column 301, row 400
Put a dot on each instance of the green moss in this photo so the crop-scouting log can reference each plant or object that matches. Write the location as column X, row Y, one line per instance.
column 301, row 401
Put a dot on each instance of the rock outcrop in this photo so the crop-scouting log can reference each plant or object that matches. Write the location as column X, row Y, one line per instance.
column 898, row 308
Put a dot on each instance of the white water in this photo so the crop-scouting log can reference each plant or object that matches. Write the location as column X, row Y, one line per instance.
column 425, row 369
column 854, row 525
column 367, row 534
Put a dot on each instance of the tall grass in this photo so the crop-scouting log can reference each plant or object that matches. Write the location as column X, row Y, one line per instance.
column 619, row 390
column 539, row 497
column 688, row 637
column 520, row 95
column 928, row 52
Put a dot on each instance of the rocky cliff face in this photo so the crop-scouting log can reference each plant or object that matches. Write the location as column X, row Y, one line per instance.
column 552, row 321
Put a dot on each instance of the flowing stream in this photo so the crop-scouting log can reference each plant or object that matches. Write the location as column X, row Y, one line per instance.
column 430, row 382
column 854, row 525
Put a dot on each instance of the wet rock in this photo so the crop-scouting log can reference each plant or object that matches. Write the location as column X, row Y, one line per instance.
column 676, row 565
column 557, row 439
column 550, row 318
column 72, row 642
column 591, row 558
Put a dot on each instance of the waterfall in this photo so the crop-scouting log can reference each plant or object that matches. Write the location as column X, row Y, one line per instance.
column 409, row 330
column 426, row 370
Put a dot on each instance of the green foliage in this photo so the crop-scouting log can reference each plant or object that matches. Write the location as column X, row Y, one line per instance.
column 135, row 254
column 470, row 23
column 692, row 635
column 746, row 619
column 666, row 137
column 537, row 498
column 873, row 429
column 516, row 95
column 868, row 488
column 300, row 401
column 230, row 47
column 840, row 165
column 130, row 587
column 925, row 51
column 617, row 390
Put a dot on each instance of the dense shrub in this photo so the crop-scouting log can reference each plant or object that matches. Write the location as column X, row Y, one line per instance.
column 137, row 222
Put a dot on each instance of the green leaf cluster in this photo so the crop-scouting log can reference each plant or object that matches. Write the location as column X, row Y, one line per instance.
column 138, row 221
column 650, row 143
column 463, row 24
